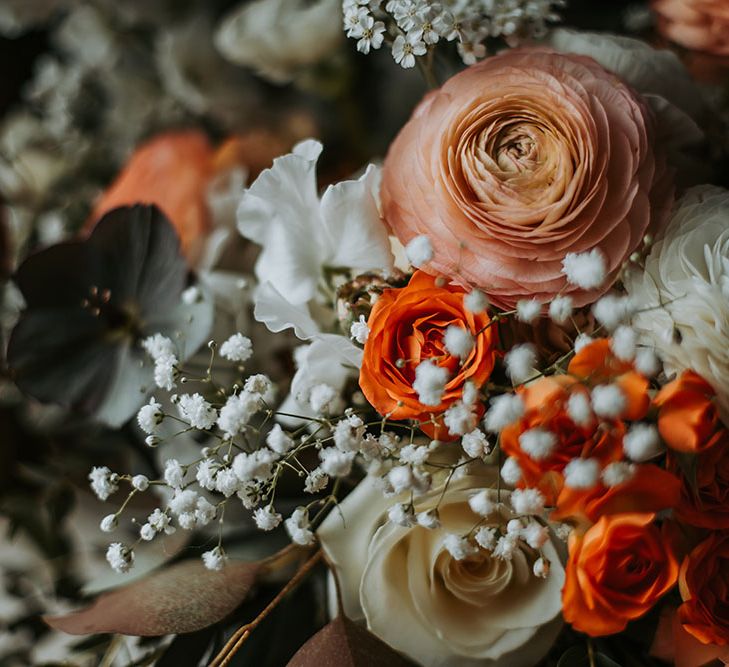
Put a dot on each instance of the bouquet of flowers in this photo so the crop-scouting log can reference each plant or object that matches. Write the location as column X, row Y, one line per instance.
column 467, row 405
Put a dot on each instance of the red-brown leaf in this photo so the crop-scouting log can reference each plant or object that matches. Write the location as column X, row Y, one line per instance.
column 182, row 598
column 343, row 643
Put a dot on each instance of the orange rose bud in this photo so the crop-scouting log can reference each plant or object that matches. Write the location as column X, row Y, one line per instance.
column 704, row 586
column 687, row 416
column 407, row 326
column 616, row 572
column 705, row 498
column 172, row 171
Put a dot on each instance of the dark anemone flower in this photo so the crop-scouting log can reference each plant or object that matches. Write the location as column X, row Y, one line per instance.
column 90, row 303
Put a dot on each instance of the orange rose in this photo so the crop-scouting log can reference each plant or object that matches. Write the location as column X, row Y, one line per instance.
column 704, row 586
column 700, row 25
column 687, row 418
column 519, row 160
column 616, row 572
column 705, row 499
column 649, row 489
column 407, row 327
column 545, row 403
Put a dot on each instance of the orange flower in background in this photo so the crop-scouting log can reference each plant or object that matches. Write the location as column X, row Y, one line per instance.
column 172, row 170
column 595, row 364
column 616, row 572
column 700, row 25
column 687, row 417
column 704, row 586
column 705, row 498
column 407, row 327
column 648, row 488
column 517, row 161
column 545, row 403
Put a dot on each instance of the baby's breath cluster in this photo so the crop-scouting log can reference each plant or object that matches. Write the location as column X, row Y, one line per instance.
column 412, row 27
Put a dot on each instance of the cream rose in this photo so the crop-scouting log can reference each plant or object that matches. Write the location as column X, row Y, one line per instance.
column 687, row 271
column 442, row 612
column 279, row 38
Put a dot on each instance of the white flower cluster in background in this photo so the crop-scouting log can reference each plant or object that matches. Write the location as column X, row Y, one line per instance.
column 411, row 27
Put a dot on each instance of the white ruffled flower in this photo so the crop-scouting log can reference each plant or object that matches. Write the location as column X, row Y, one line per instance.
column 682, row 296
column 267, row 518
column 237, row 411
column 150, row 416
column 103, row 482
column 214, row 559
column 197, row 411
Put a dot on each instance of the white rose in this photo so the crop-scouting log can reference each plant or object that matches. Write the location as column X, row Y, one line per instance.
column 441, row 612
column 687, row 270
column 277, row 38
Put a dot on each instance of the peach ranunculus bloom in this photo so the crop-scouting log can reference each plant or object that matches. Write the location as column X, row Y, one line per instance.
column 518, row 161
column 699, row 25
column 616, row 572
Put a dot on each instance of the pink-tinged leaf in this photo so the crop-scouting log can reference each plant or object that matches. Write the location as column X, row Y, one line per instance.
column 184, row 597
column 343, row 643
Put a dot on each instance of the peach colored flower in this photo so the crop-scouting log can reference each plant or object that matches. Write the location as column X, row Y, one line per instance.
column 699, row 25
column 520, row 160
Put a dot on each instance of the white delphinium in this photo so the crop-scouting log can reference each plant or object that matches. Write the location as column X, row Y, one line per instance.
column 430, row 382
column 579, row 409
column 617, row 473
column 256, row 465
column 279, row 441
column 538, row 443
column 458, row 341
column 475, row 301
column 511, row 471
column 458, row 546
column 150, row 416
column 460, row 418
column 560, row 309
column 324, row 399
column 486, row 537
column 140, row 482
column 586, row 270
column 237, row 348
column 475, row 444
column 527, row 310
column 402, row 515
column 103, row 482
column 429, row 519
column 419, row 251
column 336, row 463
column 297, row 526
column 612, row 310
column 582, row 473
column 623, row 343
column 267, row 518
column 214, row 559
column 237, row 412
column 359, row 330
column 503, row 410
column 527, row 501
column 174, row 474
column 316, row 481
column 120, row 557
column 406, row 48
column 109, row 523
column 521, row 361
column 642, row 442
column 608, row 400
column 348, row 434
column 582, row 341
column 482, row 504
column 197, row 411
